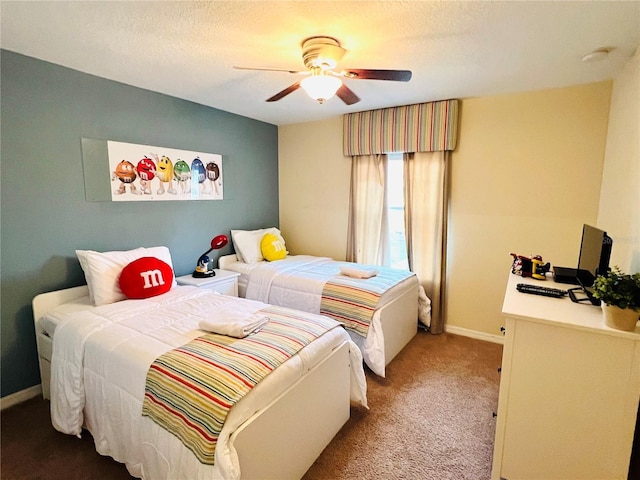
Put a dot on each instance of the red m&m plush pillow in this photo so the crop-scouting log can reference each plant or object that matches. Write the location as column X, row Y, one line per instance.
column 146, row 277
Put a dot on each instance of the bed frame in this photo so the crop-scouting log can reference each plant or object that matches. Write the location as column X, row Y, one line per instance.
column 42, row 304
column 283, row 439
column 399, row 320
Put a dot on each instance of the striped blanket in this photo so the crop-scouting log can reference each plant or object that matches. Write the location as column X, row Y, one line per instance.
column 190, row 390
column 353, row 301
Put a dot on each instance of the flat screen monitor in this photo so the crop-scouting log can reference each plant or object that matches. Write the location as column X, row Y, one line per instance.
column 595, row 252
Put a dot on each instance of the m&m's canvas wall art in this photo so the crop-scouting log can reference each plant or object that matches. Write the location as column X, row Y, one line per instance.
column 148, row 173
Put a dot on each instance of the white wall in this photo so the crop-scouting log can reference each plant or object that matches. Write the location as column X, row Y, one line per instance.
column 619, row 212
column 525, row 176
column 314, row 179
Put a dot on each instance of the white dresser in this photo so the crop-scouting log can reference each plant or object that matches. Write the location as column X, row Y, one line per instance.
column 224, row 282
column 569, row 390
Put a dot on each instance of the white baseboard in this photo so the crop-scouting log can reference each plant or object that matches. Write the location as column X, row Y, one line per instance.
column 488, row 337
column 21, row 396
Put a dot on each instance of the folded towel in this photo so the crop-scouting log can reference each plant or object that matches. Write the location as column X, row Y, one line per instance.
column 357, row 272
column 238, row 326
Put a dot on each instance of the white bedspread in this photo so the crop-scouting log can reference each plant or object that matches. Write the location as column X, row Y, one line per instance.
column 298, row 281
column 299, row 284
column 98, row 370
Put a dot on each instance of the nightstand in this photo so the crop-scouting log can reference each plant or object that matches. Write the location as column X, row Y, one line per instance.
column 224, row 282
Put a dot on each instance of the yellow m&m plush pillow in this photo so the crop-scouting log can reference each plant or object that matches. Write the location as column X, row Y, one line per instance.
column 273, row 247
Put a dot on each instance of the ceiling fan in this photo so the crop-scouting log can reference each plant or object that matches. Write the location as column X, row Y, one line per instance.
column 320, row 55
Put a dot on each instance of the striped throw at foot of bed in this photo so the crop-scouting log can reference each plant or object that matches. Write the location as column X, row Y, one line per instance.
column 190, row 390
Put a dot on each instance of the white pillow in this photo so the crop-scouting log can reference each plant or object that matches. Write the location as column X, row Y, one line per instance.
column 102, row 270
column 247, row 243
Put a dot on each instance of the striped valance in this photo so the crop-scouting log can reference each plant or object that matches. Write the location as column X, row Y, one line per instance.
column 423, row 127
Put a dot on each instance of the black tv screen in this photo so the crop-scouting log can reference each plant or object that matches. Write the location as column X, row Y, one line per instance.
column 595, row 252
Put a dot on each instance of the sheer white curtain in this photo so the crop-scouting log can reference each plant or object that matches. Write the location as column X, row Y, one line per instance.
column 426, row 203
column 367, row 212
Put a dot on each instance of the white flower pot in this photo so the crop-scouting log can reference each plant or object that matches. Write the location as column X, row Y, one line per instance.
column 620, row 318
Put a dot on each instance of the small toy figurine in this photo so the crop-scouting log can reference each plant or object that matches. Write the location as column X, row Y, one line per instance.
column 532, row 266
column 202, row 267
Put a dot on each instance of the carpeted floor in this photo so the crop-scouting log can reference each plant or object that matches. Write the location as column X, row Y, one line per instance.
column 431, row 418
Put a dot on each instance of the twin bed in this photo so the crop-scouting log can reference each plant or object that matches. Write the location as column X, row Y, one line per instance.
column 95, row 356
column 99, row 344
column 392, row 298
column 301, row 282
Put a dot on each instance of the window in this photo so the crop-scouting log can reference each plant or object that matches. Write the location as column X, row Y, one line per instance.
column 396, row 240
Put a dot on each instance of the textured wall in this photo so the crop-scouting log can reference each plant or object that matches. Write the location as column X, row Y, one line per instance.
column 46, row 110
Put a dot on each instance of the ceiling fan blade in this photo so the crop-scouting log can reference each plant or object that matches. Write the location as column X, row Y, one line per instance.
column 265, row 69
column 345, row 94
column 364, row 74
column 284, row 93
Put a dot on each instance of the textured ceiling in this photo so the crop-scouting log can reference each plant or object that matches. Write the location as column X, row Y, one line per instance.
column 455, row 49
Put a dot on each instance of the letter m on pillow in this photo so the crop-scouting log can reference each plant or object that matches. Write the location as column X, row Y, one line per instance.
column 146, row 277
column 152, row 278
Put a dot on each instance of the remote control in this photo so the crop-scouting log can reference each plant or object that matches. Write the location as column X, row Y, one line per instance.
column 539, row 290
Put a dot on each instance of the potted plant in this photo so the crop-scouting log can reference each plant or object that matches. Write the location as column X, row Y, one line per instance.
column 619, row 293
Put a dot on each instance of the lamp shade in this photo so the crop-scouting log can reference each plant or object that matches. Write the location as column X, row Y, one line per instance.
column 321, row 87
column 218, row 242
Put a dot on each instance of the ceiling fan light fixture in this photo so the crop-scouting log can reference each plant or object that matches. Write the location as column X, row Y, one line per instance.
column 320, row 56
column 321, row 87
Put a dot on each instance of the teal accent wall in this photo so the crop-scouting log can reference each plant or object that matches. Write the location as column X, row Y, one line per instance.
column 46, row 111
